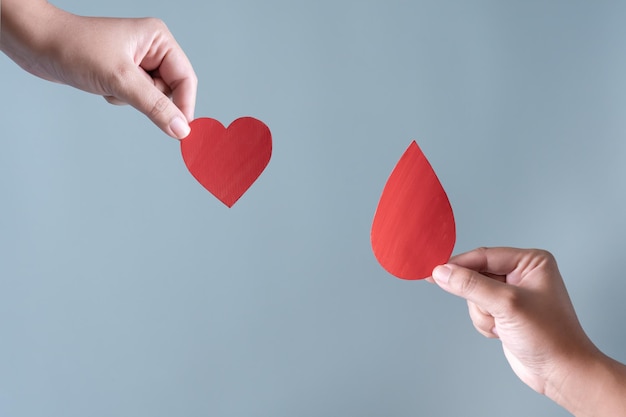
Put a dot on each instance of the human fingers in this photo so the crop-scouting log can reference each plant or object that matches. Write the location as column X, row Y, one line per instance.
column 167, row 59
column 512, row 263
column 499, row 260
column 133, row 88
column 492, row 262
column 183, row 91
column 161, row 85
column 490, row 294
column 484, row 322
column 155, row 79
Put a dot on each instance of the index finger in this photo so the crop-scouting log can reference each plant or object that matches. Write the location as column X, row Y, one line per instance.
column 498, row 261
column 178, row 74
column 502, row 261
column 165, row 57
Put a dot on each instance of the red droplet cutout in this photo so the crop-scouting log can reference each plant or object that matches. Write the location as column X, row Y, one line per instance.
column 413, row 229
column 227, row 161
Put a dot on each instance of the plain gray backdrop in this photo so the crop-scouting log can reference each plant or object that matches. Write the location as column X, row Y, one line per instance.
column 126, row 289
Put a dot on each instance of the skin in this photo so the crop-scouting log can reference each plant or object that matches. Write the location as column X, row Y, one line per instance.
column 518, row 296
column 127, row 61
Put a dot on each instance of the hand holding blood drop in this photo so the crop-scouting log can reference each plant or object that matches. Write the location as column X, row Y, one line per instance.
column 413, row 229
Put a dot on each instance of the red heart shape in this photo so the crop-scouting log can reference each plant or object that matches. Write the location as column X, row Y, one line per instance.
column 227, row 161
column 413, row 229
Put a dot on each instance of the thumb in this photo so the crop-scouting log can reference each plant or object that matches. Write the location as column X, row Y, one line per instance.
column 140, row 92
column 479, row 289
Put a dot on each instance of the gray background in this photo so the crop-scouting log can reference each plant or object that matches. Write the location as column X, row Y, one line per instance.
column 126, row 289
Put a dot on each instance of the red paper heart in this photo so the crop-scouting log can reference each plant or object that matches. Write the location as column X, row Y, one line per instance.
column 227, row 161
column 413, row 229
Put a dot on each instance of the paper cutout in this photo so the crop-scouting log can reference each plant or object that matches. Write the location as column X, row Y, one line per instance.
column 413, row 229
column 227, row 161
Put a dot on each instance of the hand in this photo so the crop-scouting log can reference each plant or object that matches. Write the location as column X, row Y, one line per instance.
column 133, row 61
column 519, row 297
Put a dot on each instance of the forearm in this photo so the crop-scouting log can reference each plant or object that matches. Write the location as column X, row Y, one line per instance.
column 25, row 33
column 596, row 388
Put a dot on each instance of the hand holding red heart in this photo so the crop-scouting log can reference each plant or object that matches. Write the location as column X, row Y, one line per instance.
column 127, row 61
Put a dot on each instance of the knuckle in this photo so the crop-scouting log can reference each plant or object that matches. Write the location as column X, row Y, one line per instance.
column 153, row 26
column 483, row 330
column 114, row 100
column 483, row 323
column 540, row 259
column 467, row 283
column 545, row 256
column 119, row 78
column 480, row 321
column 155, row 23
column 511, row 302
column 483, row 255
column 539, row 253
column 159, row 108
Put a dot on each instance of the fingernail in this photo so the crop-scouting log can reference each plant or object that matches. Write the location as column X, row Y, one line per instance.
column 442, row 274
column 180, row 128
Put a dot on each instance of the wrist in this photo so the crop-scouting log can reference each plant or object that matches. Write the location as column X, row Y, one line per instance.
column 26, row 30
column 593, row 385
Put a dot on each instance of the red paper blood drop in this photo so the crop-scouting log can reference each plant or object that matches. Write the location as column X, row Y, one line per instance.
column 413, row 229
column 227, row 161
